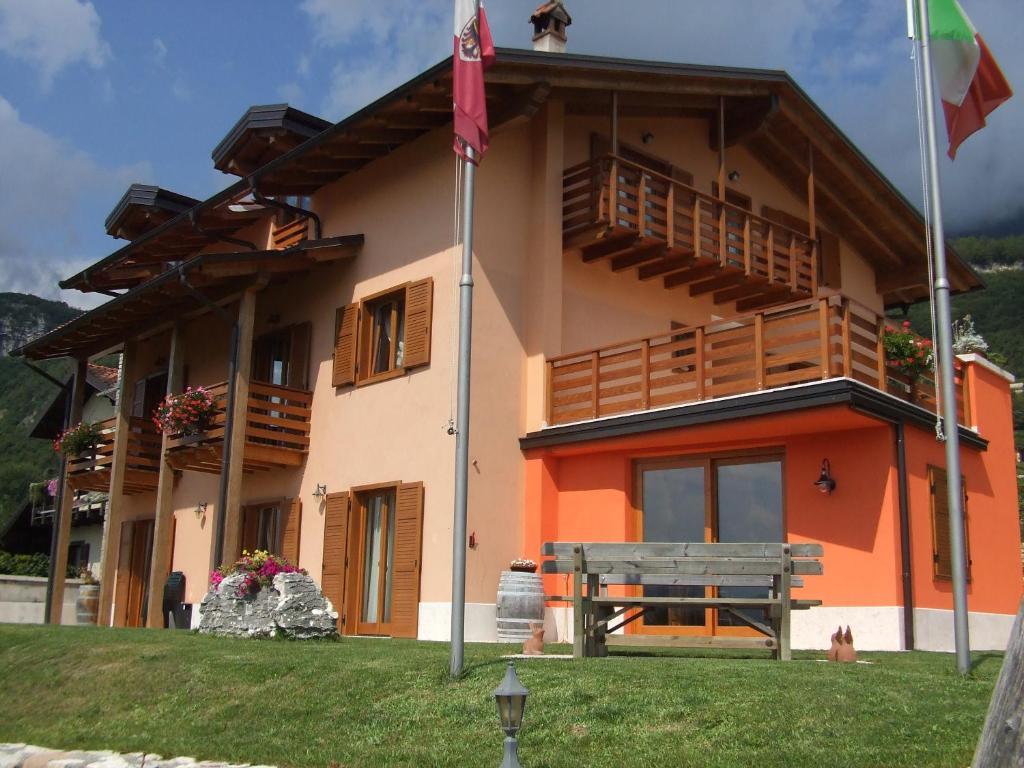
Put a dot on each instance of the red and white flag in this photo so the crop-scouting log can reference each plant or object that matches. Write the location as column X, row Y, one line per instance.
column 474, row 52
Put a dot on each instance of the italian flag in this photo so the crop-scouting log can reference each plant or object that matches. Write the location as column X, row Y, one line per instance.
column 969, row 80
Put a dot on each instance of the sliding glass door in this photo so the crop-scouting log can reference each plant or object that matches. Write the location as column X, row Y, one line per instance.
column 723, row 499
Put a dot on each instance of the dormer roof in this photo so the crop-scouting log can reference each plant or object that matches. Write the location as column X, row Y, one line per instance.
column 263, row 133
column 144, row 207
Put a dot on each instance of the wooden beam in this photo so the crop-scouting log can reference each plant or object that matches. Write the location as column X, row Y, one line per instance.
column 639, row 255
column 518, row 107
column 690, row 275
column 606, row 246
column 669, row 264
column 163, row 528
column 746, row 117
column 116, row 498
column 236, row 423
column 717, row 283
column 67, row 498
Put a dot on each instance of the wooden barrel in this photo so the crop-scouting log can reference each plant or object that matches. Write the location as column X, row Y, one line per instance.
column 520, row 604
column 87, row 606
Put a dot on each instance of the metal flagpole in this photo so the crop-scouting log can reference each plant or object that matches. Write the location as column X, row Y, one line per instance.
column 462, row 419
column 944, row 347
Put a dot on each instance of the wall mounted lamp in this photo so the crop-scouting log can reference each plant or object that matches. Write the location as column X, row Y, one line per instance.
column 647, row 137
column 825, row 483
column 734, row 175
column 320, row 492
column 201, row 508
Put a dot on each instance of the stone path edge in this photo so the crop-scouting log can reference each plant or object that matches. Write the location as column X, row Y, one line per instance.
column 29, row 756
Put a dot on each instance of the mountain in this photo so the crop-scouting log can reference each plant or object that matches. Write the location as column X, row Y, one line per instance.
column 25, row 395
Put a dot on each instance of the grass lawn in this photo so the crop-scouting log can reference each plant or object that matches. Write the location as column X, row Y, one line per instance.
column 388, row 702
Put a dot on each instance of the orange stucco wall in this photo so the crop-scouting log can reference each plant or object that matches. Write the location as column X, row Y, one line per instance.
column 585, row 492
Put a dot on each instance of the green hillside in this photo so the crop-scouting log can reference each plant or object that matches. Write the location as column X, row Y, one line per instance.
column 25, row 395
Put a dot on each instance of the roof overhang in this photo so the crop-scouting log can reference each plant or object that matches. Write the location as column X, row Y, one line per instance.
column 172, row 294
column 262, row 134
column 856, row 395
column 765, row 109
column 143, row 207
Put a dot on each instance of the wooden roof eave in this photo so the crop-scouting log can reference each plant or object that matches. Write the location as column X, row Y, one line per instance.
column 152, row 302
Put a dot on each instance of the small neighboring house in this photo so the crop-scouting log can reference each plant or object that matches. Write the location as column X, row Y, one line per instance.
column 682, row 274
column 31, row 529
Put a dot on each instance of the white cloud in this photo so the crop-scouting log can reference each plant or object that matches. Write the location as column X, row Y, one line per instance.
column 40, row 238
column 52, row 34
column 159, row 52
column 292, row 93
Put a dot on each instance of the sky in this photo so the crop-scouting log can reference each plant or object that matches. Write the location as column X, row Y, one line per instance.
column 97, row 95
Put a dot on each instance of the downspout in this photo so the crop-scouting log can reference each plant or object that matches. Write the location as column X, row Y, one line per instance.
column 193, row 217
column 225, row 461
column 260, row 198
column 905, row 553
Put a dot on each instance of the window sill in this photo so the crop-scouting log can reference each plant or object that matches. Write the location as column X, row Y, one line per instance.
column 377, row 377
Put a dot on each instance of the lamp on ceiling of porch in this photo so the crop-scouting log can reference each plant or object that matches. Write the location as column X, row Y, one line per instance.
column 825, row 483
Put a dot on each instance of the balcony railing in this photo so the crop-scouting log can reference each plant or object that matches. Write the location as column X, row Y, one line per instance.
column 292, row 233
column 793, row 344
column 276, row 431
column 700, row 229
column 90, row 470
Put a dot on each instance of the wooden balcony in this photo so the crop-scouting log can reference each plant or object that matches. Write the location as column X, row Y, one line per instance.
column 782, row 346
column 637, row 218
column 90, row 470
column 288, row 235
column 276, row 432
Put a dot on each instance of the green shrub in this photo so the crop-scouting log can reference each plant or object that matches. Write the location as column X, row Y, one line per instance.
column 29, row 565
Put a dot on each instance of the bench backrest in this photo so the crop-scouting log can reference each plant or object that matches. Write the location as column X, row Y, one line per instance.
column 695, row 562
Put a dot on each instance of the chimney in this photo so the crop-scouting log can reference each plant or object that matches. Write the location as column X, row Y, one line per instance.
column 549, row 23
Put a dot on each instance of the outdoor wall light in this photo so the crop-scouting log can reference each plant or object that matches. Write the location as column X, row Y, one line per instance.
column 647, row 137
column 320, row 492
column 825, row 482
column 511, row 699
column 201, row 508
column 734, row 175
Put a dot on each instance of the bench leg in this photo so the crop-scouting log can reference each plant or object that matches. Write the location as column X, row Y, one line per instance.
column 577, row 603
column 785, row 592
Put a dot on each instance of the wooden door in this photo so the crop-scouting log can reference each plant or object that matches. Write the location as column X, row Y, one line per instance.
column 131, row 589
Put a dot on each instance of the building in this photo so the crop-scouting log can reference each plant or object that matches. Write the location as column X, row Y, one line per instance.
column 681, row 280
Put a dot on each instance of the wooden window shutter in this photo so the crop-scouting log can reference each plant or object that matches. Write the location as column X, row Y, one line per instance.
column 336, row 533
column 941, row 553
column 250, row 527
column 419, row 300
column 291, row 529
column 405, row 588
column 345, row 338
column 298, row 356
column 828, row 245
column 122, row 581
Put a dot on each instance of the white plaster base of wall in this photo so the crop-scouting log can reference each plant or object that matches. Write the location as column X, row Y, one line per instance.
column 874, row 628
column 23, row 600
column 933, row 629
column 436, row 622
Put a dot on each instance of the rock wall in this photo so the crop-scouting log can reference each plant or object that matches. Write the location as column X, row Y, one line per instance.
column 293, row 606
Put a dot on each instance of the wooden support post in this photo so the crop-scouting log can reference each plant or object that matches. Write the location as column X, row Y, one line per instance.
column 67, row 500
column 759, row 361
column 880, row 353
column 670, row 216
column 593, row 586
column 615, row 122
column 823, row 332
column 747, row 265
column 769, row 253
column 812, row 221
column 792, row 261
column 549, row 392
column 645, row 374
column 116, row 497
column 785, row 593
column 577, row 602
column 163, row 528
column 698, row 351
column 613, row 193
column 236, row 422
column 641, row 205
column 844, row 311
column 595, row 384
column 696, row 226
column 723, row 234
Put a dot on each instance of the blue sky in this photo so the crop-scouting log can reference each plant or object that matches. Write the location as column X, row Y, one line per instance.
column 96, row 95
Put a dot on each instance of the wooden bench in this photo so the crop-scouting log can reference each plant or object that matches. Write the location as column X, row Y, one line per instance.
column 777, row 567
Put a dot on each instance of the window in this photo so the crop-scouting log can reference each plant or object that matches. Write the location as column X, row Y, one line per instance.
column 273, row 527
column 736, row 498
column 78, row 555
column 942, row 558
column 384, row 335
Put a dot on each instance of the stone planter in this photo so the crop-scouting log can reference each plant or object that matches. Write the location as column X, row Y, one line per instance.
column 87, row 605
column 520, row 603
column 292, row 606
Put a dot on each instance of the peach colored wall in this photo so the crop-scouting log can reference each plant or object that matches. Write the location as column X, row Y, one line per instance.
column 603, row 307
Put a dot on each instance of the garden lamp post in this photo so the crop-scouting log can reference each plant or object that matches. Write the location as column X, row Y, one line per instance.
column 511, row 699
